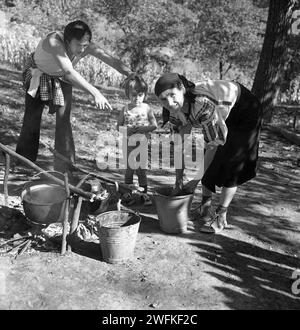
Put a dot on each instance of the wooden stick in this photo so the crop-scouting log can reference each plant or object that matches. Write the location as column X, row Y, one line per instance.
column 76, row 215
column 119, row 205
column 14, row 240
column 26, row 161
column 24, row 248
column 72, row 204
column 17, row 246
column 69, row 162
column 81, row 182
column 76, row 211
column 5, row 181
column 66, row 217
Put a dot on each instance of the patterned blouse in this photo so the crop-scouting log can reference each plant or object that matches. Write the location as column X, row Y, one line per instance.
column 211, row 108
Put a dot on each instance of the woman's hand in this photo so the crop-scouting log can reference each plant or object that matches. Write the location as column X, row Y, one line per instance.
column 101, row 102
column 190, row 186
column 177, row 188
column 175, row 191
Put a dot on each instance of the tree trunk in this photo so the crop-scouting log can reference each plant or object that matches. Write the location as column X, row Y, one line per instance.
column 270, row 69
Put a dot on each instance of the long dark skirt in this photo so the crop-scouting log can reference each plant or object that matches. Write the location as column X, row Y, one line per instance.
column 236, row 161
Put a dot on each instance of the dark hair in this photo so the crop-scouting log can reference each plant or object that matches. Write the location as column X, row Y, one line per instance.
column 136, row 83
column 77, row 30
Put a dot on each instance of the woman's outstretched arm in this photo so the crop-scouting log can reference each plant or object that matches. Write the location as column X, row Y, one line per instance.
column 96, row 51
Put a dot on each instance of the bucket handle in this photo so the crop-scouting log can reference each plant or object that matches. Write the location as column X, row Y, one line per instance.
column 25, row 186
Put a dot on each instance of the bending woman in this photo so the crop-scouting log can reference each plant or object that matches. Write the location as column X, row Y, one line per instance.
column 230, row 117
column 48, row 77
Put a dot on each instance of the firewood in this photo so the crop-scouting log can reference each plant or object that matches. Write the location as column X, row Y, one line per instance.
column 66, row 218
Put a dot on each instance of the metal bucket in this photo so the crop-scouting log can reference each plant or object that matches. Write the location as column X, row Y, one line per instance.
column 117, row 233
column 43, row 201
column 173, row 211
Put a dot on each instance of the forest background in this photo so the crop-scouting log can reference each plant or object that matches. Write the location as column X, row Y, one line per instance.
column 202, row 39
column 217, row 39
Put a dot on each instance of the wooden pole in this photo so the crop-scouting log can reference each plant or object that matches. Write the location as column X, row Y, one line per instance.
column 66, row 217
column 26, row 161
column 72, row 205
column 69, row 162
column 5, row 181
column 76, row 215
column 76, row 211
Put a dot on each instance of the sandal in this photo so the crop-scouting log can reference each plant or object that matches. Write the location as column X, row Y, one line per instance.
column 216, row 225
column 206, row 211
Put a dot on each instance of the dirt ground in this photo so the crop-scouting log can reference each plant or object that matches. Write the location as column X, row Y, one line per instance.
column 249, row 266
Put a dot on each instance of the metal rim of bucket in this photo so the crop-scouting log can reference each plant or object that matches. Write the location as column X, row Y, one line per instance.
column 118, row 227
column 157, row 194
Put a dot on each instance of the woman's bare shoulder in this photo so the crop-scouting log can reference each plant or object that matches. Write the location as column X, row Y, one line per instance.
column 53, row 43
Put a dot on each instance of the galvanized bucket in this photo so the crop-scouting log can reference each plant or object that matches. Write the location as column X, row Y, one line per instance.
column 172, row 211
column 117, row 233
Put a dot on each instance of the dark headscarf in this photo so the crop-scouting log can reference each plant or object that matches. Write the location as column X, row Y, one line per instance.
column 171, row 80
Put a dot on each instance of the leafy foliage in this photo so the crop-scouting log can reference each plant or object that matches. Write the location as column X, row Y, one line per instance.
column 146, row 26
column 230, row 32
column 219, row 36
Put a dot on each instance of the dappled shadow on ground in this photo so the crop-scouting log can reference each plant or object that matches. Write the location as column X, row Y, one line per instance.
column 256, row 258
column 267, row 207
column 12, row 222
column 264, row 211
column 149, row 225
column 253, row 277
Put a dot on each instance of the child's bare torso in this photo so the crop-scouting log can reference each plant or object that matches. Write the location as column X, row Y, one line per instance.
column 136, row 115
